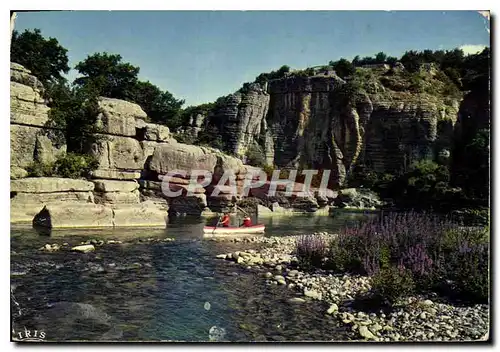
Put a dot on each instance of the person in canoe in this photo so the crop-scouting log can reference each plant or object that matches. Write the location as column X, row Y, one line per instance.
column 225, row 220
column 247, row 222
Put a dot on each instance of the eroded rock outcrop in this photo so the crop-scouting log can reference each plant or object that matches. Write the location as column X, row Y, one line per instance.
column 240, row 116
column 319, row 122
column 29, row 139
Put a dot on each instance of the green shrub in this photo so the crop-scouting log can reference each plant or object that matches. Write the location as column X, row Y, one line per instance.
column 75, row 166
column 38, row 169
column 255, row 155
column 268, row 169
column 392, row 283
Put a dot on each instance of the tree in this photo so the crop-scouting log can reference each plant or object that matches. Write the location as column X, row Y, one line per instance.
column 107, row 73
column 74, row 111
column 112, row 78
column 343, row 68
column 161, row 106
column 412, row 60
column 391, row 60
column 453, row 58
column 282, row 70
column 46, row 58
column 355, row 61
column 380, row 58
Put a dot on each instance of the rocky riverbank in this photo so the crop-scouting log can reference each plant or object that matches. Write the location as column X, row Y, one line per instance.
column 411, row 319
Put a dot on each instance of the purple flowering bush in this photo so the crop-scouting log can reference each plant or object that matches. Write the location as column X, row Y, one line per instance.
column 311, row 251
column 404, row 252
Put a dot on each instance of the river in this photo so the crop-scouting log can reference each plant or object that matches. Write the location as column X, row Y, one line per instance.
column 143, row 290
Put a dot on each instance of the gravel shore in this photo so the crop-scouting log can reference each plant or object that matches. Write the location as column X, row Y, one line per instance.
column 411, row 319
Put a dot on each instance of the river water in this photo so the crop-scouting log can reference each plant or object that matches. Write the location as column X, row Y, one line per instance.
column 143, row 290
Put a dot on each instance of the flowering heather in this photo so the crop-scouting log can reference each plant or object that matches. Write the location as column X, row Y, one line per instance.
column 311, row 250
column 430, row 248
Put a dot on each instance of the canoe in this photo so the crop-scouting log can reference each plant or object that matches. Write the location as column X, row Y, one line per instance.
column 259, row 228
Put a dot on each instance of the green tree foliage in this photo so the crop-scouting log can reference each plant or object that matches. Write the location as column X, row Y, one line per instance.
column 391, row 60
column 343, row 68
column 210, row 137
column 161, row 106
column 426, row 184
column 116, row 79
column 473, row 171
column 356, row 61
column 107, row 73
column 255, row 155
column 381, row 57
column 412, row 60
column 46, row 58
column 280, row 73
column 74, row 111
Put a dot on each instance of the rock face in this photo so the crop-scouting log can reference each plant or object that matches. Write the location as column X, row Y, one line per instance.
column 309, row 122
column 49, row 185
column 97, row 215
column 29, row 140
column 240, row 117
column 74, row 215
column 297, row 122
column 30, row 195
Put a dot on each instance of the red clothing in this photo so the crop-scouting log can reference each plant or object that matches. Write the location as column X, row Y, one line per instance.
column 247, row 222
column 225, row 221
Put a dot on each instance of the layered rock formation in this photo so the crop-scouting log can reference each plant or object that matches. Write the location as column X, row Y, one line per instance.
column 240, row 117
column 30, row 141
column 309, row 122
column 133, row 158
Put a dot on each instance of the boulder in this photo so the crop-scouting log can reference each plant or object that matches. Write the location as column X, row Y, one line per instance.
column 262, row 210
column 143, row 214
column 118, row 117
column 38, row 120
column 153, row 132
column 24, row 212
column 170, row 157
column 22, row 75
column 17, row 172
column 357, row 197
column 148, row 148
column 192, row 205
column 19, row 91
column 74, row 215
column 43, row 198
column 46, row 149
column 50, row 185
column 22, row 145
column 122, row 153
column 115, row 186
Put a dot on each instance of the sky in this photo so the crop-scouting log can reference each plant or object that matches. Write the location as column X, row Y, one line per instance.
column 199, row 56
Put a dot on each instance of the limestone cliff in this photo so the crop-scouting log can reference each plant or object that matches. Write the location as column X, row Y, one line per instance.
column 132, row 157
column 29, row 140
column 311, row 121
column 239, row 118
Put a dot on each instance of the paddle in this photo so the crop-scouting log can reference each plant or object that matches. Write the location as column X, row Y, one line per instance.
column 218, row 221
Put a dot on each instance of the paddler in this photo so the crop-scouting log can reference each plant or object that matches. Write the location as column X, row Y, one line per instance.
column 225, row 220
